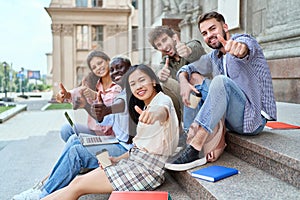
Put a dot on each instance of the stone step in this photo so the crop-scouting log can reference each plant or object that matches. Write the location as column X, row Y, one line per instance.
column 276, row 152
column 250, row 183
column 170, row 185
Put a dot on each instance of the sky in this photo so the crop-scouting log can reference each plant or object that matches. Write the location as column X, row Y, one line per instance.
column 25, row 34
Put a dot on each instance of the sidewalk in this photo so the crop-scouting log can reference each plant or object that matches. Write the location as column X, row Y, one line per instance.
column 30, row 144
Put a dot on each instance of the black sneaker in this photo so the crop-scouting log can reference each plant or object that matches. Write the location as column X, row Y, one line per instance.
column 187, row 159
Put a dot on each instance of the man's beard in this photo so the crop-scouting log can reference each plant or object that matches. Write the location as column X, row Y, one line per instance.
column 219, row 44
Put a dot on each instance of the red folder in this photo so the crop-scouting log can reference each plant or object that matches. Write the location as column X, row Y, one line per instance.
column 139, row 195
column 280, row 125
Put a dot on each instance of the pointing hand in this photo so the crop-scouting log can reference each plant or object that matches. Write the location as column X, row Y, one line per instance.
column 62, row 94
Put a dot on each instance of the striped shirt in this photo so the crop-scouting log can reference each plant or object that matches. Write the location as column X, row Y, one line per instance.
column 251, row 74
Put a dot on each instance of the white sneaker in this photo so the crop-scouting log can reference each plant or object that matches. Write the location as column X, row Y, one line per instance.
column 31, row 194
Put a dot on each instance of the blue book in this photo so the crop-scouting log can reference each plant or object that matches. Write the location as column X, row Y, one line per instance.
column 214, row 173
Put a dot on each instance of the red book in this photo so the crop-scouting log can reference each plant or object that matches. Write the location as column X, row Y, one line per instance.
column 139, row 195
column 280, row 125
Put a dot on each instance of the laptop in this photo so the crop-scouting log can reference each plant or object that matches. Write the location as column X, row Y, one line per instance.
column 87, row 139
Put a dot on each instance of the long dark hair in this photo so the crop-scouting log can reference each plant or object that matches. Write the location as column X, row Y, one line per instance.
column 131, row 99
column 91, row 79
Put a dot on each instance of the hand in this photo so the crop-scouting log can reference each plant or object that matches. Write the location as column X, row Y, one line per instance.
column 99, row 111
column 114, row 160
column 79, row 101
column 185, row 89
column 164, row 73
column 146, row 116
column 235, row 48
column 99, row 97
column 181, row 48
column 89, row 93
column 62, row 94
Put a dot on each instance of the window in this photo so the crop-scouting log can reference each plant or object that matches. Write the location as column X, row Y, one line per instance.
column 135, row 38
column 81, row 3
column 82, row 37
column 97, row 37
column 135, row 4
column 97, row 3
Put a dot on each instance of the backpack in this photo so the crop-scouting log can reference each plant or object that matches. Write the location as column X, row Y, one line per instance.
column 214, row 144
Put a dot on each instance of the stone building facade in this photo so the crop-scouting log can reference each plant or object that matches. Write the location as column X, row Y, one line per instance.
column 79, row 26
column 275, row 25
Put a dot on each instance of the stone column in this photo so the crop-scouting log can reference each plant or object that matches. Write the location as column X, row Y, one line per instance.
column 56, row 58
column 68, row 69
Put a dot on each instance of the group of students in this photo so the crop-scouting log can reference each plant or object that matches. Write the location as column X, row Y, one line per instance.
column 145, row 110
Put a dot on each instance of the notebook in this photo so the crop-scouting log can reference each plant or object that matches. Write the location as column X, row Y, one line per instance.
column 214, row 173
column 280, row 125
column 87, row 139
column 140, row 195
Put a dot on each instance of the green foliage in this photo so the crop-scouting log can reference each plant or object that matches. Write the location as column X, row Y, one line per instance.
column 15, row 85
column 5, row 108
column 56, row 106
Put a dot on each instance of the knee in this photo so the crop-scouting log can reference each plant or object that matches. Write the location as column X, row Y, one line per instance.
column 75, row 186
column 218, row 82
column 74, row 139
column 65, row 132
column 76, row 181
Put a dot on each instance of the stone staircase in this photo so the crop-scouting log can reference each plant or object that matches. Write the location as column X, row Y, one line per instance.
column 269, row 165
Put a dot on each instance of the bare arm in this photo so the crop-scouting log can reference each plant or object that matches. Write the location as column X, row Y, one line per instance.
column 99, row 110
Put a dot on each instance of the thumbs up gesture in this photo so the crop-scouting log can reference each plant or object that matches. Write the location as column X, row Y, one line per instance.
column 62, row 94
column 149, row 116
column 146, row 116
column 235, row 48
column 181, row 48
column 89, row 93
column 165, row 72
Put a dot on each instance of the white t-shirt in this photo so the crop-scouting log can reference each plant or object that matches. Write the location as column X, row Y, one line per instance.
column 159, row 138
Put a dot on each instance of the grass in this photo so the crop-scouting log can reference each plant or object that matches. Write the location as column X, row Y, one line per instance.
column 5, row 108
column 57, row 106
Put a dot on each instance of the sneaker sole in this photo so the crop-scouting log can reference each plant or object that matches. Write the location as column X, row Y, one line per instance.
column 186, row 166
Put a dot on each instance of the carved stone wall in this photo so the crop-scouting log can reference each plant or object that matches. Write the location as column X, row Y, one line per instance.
column 67, row 29
column 114, row 29
column 275, row 24
column 56, row 29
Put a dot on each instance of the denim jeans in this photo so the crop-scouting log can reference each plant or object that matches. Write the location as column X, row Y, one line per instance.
column 66, row 131
column 74, row 157
column 189, row 114
column 224, row 98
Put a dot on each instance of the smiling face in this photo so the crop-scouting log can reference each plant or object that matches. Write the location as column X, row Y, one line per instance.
column 99, row 66
column 142, row 86
column 117, row 70
column 210, row 29
column 165, row 44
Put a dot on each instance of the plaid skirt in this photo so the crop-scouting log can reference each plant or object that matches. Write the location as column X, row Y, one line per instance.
column 141, row 171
